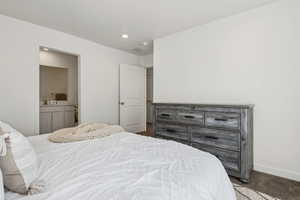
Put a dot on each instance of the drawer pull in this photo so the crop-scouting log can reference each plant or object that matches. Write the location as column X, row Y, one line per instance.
column 212, row 137
column 221, row 119
column 165, row 115
column 171, row 130
column 189, row 116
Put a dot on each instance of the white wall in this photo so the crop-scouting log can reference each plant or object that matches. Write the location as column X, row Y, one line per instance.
column 19, row 69
column 253, row 57
column 146, row 61
column 58, row 59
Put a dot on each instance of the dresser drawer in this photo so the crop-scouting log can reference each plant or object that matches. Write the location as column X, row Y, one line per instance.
column 217, row 138
column 224, row 120
column 230, row 159
column 190, row 117
column 166, row 115
column 172, row 131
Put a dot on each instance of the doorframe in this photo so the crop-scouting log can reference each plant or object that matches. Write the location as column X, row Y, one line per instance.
column 37, row 86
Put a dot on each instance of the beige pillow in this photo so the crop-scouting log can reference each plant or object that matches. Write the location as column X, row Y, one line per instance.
column 18, row 161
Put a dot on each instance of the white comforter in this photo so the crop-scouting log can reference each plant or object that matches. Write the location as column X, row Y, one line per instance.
column 127, row 166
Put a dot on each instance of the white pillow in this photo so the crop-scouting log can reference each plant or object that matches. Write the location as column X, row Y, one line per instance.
column 18, row 160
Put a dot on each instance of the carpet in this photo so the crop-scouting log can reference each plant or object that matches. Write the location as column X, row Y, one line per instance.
column 243, row 193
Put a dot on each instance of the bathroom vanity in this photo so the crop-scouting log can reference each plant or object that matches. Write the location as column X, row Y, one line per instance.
column 54, row 117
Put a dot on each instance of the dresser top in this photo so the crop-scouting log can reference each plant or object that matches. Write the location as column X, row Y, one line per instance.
column 247, row 106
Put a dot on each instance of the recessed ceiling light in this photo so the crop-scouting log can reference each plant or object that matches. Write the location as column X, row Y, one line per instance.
column 145, row 43
column 45, row 49
column 125, row 36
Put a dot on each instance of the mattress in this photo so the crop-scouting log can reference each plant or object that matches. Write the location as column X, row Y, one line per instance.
column 127, row 166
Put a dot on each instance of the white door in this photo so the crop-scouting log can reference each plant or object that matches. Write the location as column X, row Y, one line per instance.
column 133, row 98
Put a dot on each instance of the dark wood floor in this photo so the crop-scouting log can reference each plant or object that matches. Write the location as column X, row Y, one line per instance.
column 272, row 185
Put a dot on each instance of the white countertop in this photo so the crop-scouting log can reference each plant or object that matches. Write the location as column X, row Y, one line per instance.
column 56, row 105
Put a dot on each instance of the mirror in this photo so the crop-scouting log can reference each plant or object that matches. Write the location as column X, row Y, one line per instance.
column 53, row 84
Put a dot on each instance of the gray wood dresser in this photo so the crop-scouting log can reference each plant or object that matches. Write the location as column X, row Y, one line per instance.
column 225, row 131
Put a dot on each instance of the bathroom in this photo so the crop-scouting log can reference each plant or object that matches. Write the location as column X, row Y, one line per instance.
column 58, row 90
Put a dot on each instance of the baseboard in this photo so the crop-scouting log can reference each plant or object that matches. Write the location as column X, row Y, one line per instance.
column 278, row 172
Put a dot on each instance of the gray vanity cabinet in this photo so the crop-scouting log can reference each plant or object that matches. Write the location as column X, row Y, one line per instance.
column 45, row 122
column 225, row 131
column 56, row 117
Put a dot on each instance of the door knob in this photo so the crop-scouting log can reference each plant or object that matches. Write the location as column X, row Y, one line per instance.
column 122, row 103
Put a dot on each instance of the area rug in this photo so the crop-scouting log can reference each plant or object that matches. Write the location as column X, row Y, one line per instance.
column 243, row 193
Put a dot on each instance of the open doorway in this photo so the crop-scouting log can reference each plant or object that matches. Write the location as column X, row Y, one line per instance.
column 149, row 96
column 58, row 90
column 149, row 77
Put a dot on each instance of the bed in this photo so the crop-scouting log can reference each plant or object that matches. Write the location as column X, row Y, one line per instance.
column 127, row 166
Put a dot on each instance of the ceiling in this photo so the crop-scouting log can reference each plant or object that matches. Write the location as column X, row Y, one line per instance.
column 103, row 21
